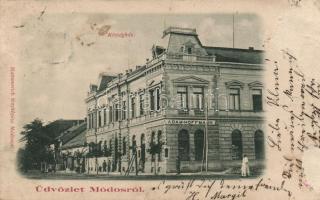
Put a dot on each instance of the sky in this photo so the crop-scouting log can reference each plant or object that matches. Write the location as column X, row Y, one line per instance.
column 62, row 54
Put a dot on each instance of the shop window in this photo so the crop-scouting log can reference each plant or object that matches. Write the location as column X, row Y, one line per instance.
column 234, row 99
column 183, row 145
column 257, row 100
column 236, row 147
column 199, row 145
column 259, row 145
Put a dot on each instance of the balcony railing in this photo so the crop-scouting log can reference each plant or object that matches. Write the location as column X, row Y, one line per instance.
column 181, row 57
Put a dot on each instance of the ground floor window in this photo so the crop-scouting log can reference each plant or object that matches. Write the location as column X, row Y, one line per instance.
column 183, row 145
column 259, row 144
column 236, row 148
column 199, row 144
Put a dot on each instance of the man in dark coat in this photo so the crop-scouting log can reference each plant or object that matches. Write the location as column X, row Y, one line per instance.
column 104, row 166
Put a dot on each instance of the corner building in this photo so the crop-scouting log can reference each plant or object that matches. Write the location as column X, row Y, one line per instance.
column 169, row 101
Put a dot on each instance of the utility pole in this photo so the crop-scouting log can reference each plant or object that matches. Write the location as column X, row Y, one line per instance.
column 206, row 133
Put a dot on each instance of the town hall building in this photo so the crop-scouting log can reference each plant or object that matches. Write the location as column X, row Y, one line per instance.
column 193, row 104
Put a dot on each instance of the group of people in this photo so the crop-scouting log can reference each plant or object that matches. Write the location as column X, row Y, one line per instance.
column 106, row 167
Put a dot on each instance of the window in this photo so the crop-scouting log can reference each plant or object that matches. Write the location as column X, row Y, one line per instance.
column 152, row 143
column 104, row 116
column 143, row 148
column 105, row 148
column 124, row 146
column 199, row 145
column 110, row 114
column 124, row 110
column 89, row 121
column 234, row 99
column 198, row 99
column 183, row 145
column 257, row 100
column 259, row 145
column 152, row 100
column 182, row 98
column 99, row 118
column 189, row 50
column 160, row 144
column 141, row 104
column 158, row 98
column 133, row 107
column 116, row 112
column 236, row 147
column 134, row 143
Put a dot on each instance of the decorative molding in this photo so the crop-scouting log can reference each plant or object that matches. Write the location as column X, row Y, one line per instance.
column 234, row 83
column 255, row 84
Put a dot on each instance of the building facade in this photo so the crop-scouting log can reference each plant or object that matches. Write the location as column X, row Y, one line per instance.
column 158, row 115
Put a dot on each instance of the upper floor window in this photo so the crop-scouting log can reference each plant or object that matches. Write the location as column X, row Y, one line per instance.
column 99, row 118
column 152, row 97
column 257, row 99
column 182, row 93
column 110, row 114
column 189, row 50
column 124, row 110
column 198, row 99
column 141, row 101
column 234, row 99
column 105, row 116
column 133, row 107
column 158, row 98
column 116, row 110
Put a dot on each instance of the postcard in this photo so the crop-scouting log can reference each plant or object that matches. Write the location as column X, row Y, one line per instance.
column 191, row 100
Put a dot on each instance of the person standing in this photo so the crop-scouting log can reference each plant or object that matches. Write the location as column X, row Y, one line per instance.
column 109, row 166
column 104, row 166
column 245, row 171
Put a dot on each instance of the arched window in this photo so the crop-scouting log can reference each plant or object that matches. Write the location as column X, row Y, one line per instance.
column 124, row 146
column 259, row 144
column 183, row 145
column 143, row 149
column 236, row 145
column 199, row 144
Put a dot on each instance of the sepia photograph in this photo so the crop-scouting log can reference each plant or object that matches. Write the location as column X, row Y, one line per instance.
column 142, row 97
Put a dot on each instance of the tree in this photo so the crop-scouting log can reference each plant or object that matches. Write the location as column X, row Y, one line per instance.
column 36, row 149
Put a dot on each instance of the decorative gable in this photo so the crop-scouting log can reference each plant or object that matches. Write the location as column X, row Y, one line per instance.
column 190, row 80
column 234, row 83
column 255, row 84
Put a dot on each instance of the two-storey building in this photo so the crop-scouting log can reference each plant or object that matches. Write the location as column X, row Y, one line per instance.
column 160, row 113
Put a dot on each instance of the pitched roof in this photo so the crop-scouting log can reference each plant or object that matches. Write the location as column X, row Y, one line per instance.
column 55, row 128
column 104, row 80
column 78, row 141
column 72, row 132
